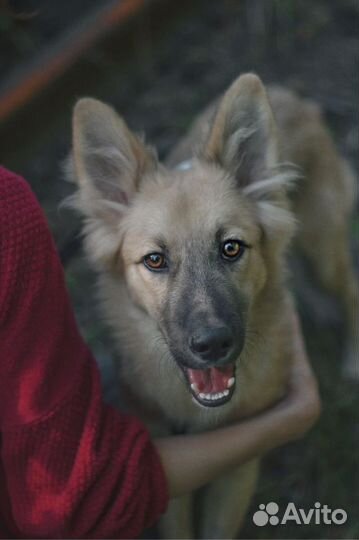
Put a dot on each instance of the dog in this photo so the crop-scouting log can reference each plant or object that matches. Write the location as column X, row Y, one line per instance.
column 192, row 263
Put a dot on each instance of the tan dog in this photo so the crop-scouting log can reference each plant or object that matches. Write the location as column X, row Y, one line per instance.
column 192, row 270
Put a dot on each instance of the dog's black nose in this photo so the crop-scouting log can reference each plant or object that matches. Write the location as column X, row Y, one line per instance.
column 212, row 343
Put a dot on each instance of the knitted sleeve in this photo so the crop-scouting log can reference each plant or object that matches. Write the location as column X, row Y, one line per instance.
column 73, row 467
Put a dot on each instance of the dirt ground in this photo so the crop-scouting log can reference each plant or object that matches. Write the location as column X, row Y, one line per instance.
column 158, row 73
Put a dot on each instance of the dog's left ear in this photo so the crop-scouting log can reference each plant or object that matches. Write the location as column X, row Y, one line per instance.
column 242, row 138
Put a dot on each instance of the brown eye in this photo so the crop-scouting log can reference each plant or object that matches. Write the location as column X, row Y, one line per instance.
column 232, row 249
column 155, row 261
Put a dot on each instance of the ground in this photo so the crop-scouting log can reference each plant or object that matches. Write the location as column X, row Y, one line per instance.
column 158, row 73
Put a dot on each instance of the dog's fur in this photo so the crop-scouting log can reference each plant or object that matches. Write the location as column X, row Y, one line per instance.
column 235, row 187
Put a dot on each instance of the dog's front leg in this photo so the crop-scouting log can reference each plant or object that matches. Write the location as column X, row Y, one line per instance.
column 225, row 502
column 177, row 522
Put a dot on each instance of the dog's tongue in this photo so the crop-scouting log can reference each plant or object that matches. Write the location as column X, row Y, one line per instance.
column 211, row 380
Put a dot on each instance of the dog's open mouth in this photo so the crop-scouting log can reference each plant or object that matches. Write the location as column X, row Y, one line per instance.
column 213, row 386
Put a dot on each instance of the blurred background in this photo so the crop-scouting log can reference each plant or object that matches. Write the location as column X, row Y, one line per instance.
column 158, row 62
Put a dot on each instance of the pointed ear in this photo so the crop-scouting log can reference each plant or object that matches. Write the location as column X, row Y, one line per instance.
column 243, row 141
column 242, row 138
column 108, row 162
column 108, row 158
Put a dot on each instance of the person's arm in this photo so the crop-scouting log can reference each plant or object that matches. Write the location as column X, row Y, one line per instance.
column 70, row 465
column 191, row 461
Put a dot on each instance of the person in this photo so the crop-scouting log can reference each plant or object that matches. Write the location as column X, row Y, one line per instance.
column 72, row 466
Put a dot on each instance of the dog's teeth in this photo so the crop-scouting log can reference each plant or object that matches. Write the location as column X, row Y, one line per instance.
column 194, row 388
column 214, row 396
column 230, row 382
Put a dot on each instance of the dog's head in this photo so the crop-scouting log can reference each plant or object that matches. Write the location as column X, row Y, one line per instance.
column 197, row 244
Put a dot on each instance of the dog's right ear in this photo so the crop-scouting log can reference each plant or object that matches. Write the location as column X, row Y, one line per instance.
column 108, row 159
column 108, row 162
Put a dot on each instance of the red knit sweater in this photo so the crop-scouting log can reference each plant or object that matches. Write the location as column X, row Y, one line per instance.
column 70, row 465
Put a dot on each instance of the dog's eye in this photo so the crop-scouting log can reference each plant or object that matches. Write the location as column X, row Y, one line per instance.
column 232, row 249
column 155, row 261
